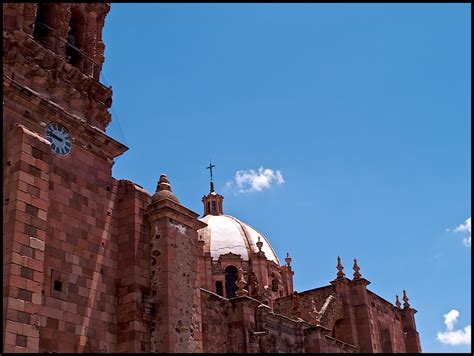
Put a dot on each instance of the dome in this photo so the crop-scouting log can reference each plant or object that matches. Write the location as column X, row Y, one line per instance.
column 225, row 234
column 162, row 194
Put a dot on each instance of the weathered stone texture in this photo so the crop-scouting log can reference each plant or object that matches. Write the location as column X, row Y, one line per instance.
column 215, row 324
column 95, row 264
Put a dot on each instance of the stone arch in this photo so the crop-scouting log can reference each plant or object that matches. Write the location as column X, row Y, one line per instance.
column 75, row 37
column 231, row 273
column 44, row 23
column 276, row 283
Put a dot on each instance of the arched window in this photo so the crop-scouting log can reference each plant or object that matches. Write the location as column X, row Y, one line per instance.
column 219, row 288
column 74, row 38
column 42, row 23
column 275, row 285
column 230, row 279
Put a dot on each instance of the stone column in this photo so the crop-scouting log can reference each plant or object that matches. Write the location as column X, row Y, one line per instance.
column 360, row 305
column 175, row 250
column 349, row 322
column 314, row 339
column 412, row 338
column 26, row 206
column 242, row 323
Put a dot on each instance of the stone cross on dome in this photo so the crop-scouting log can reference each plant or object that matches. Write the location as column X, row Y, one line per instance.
column 213, row 201
column 210, row 170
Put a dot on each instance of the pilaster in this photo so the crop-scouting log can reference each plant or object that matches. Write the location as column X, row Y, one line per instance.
column 412, row 338
column 26, row 206
column 175, row 250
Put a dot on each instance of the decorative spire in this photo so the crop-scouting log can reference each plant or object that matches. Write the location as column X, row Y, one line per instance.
column 339, row 267
column 210, row 170
column 163, row 183
column 163, row 190
column 397, row 302
column 406, row 305
column 288, row 259
column 356, row 269
column 241, row 283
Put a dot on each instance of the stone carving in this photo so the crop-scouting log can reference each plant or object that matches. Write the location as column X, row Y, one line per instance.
column 330, row 312
column 254, row 288
column 314, row 313
column 356, row 269
column 74, row 91
column 241, row 283
column 339, row 267
column 267, row 296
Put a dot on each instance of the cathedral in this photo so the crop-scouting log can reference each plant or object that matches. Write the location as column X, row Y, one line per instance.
column 96, row 264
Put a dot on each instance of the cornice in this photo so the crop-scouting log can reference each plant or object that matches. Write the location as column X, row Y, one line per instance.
column 48, row 72
column 167, row 208
column 84, row 134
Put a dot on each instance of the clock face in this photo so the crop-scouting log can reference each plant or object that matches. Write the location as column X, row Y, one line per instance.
column 60, row 139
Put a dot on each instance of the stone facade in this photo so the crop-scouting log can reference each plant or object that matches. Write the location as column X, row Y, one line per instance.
column 96, row 264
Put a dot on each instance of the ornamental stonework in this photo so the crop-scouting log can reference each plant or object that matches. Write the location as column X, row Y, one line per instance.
column 98, row 264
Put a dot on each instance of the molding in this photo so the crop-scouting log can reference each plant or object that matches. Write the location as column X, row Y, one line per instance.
column 84, row 134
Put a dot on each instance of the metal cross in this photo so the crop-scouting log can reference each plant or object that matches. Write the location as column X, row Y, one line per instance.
column 210, row 168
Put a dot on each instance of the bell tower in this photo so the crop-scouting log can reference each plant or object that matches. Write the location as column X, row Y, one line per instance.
column 60, row 230
column 213, row 201
column 56, row 50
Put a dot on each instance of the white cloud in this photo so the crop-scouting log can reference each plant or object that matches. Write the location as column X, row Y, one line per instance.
column 451, row 336
column 249, row 180
column 450, row 319
column 466, row 228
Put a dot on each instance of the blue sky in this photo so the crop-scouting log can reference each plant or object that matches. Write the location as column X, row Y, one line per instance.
column 358, row 114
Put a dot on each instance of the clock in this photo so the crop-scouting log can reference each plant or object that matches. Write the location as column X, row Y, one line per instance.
column 60, row 139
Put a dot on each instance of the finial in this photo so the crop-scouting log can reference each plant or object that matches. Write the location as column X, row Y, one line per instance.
column 356, row 269
column 406, row 305
column 339, row 267
column 241, row 283
column 163, row 183
column 210, row 169
column 259, row 245
column 288, row 259
column 397, row 302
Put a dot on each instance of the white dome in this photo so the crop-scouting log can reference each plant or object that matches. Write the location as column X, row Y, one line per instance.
column 225, row 234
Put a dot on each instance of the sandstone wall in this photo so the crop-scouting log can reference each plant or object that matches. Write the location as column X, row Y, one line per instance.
column 67, row 203
column 387, row 326
column 284, row 305
column 133, row 319
column 281, row 333
column 215, row 324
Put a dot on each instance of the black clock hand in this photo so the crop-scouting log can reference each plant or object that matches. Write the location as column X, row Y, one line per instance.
column 56, row 137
